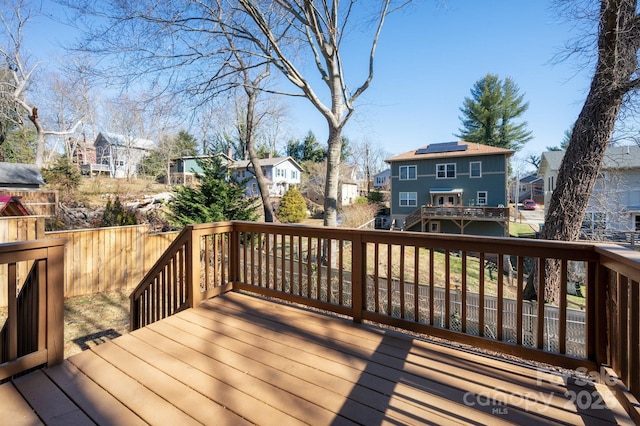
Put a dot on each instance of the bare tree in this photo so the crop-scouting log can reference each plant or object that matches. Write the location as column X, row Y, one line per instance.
column 14, row 16
column 184, row 44
column 615, row 78
column 370, row 160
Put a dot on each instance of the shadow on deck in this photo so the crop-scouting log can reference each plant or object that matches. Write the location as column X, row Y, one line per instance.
column 241, row 359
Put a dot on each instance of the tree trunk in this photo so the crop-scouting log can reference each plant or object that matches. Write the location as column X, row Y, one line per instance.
column 248, row 142
column 617, row 62
column 333, row 177
column 33, row 117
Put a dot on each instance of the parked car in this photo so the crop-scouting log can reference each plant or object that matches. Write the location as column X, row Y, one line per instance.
column 529, row 204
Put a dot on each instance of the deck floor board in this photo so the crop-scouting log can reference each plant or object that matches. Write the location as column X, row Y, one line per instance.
column 238, row 359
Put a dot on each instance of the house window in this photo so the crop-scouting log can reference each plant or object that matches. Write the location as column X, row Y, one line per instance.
column 482, row 198
column 408, row 199
column 254, row 188
column 408, row 172
column 550, row 182
column 434, row 226
column 594, row 221
column 294, row 174
column 241, row 174
column 637, row 224
column 475, row 169
column 446, row 171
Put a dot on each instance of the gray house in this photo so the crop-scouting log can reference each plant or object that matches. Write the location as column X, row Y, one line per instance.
column 120, row 155
column 452, row 187
column 614, row 204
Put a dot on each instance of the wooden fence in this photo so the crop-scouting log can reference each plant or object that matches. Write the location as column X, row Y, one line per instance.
column 97, row 260
column 37, row 202
column 16, row 229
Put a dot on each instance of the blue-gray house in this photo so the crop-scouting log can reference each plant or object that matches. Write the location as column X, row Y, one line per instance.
column 452, row 187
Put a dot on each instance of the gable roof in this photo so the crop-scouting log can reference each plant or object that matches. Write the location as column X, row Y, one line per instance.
column 449, row 150
column 122, row 140
column 616, row 157
column 20, row 174
column 10, row 205
column 264, row 162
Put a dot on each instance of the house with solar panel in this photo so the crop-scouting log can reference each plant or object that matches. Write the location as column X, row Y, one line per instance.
column 452, row 187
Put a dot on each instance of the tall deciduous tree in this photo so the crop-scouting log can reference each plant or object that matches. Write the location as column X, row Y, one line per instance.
column 14, row 17
column 615, row 78
column 183, row 43
column 489, row 115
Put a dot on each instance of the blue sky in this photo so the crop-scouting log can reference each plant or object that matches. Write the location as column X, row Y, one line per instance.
column 431, row 54
column 428, row 59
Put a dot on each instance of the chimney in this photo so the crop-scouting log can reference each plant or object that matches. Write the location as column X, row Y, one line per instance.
column 230, row 153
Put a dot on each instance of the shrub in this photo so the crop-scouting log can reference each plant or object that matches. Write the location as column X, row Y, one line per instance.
column 293, row 207
column 117, row 215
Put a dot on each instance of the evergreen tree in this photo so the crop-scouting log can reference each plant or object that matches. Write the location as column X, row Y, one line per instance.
column 293, row 208
column 216, row 198
column 307, row 150
column 488, row 115
column 62, row 175
column 19, row 146
column 117, row 215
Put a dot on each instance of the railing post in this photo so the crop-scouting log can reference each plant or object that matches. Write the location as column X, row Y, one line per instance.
column 193, row 270
column 55, row 305
column 597, row 315
column 234, row 256
column 358, row 279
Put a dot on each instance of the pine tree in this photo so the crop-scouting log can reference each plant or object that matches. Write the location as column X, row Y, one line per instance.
column 216, row 198
column 489, row 114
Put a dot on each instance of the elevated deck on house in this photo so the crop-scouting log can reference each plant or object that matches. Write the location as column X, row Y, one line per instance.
column 239, row 359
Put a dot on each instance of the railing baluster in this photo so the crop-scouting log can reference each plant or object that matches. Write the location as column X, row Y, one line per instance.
column 389, row 279
column 416, row 283
column 401, row 282
column 463, row 299
column 562, row 309
column 447, row 289
column 519, row 300
column 481, row 262
column 432, row 284
column 500, row 301
column 376, row 280
column 542, row 266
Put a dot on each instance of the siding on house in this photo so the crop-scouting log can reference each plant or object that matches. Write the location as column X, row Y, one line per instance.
column 614, row 204
column 467, row 174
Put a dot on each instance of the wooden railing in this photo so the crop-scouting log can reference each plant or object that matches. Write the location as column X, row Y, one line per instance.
column 466, row 289
column 32, row 334
column 456, row 212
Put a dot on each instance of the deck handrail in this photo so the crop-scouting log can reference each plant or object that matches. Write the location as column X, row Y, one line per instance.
column 33, row 334
column 425, row 283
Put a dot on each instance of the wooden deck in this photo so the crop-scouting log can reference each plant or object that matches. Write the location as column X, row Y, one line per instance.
column 238, row 359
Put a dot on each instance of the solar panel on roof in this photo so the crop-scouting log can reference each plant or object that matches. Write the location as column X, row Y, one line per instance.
column 436, row 148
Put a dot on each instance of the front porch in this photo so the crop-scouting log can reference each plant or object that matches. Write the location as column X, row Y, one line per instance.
column 205, row 350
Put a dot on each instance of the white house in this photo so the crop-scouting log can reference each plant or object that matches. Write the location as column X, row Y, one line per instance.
column 121, row 154
column 382, row 180
column 615, row 201
column 279, row 172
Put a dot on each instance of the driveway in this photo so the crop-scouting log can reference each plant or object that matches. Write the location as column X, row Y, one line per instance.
column 532, row 217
